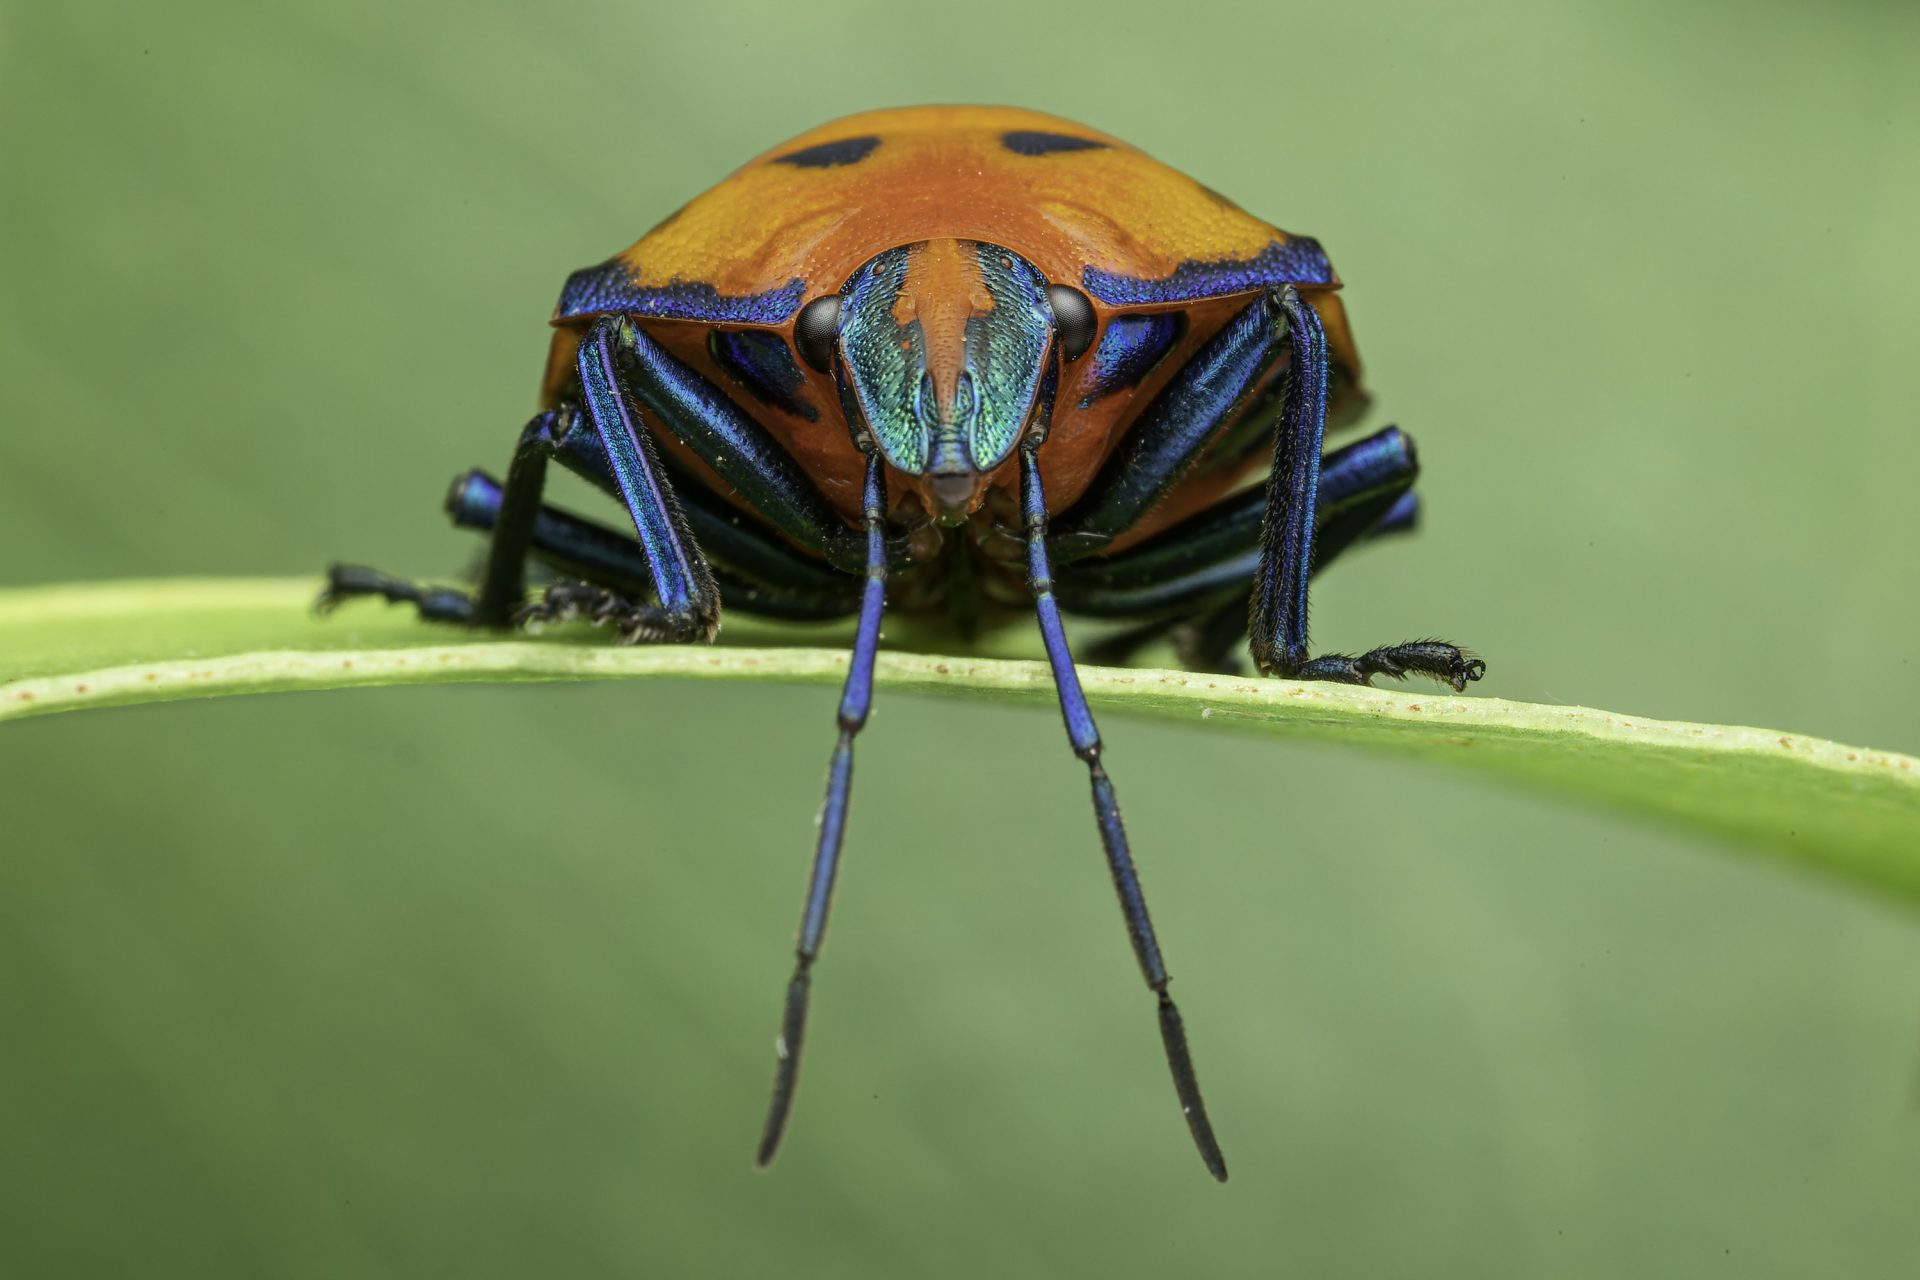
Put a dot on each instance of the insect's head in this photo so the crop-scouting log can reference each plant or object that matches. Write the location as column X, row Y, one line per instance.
column 942, row 351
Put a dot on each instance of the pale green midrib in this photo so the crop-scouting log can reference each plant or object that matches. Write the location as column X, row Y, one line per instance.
column 1850, row 811
column 1224, row 697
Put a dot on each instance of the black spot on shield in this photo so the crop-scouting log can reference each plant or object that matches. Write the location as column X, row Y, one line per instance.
column 1030, row 142
column 828, row 155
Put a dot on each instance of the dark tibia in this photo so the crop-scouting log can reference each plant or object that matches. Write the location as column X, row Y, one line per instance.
column 503, row 581
column 1277, row 617
column 689, row 600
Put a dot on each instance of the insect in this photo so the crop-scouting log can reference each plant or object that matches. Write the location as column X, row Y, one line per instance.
column 970, row 362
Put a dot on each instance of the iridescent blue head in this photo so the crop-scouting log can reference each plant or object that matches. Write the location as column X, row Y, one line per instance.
column 942, row 350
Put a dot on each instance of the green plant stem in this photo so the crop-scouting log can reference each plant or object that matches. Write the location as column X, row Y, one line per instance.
column 1846, row 810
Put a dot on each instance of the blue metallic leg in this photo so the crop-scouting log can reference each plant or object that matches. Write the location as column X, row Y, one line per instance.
column 1206, row 628
column 1279, row 613
column 739, row 553
column 1188, row 413
column 688, row 601
column 434, row 604
column 747, row 544
column 856, row 698
column 740, row 450
column 1220, row 548
column 722, row 528
column 623, row 374
column 1277, row 619
column 688, row 607
column 1195, row 409
column 1402, row 517
column 1085, row 737
column 1211, row 640
column 503, row 582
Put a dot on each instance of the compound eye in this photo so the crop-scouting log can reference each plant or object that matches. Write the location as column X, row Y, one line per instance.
column 1073, row 319
column 816, row 330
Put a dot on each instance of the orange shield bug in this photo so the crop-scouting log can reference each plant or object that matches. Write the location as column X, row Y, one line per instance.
column 978, row 359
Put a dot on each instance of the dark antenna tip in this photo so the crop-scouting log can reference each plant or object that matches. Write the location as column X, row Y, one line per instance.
column 1173, row 1033
column 856, row 696
column 786, row 1068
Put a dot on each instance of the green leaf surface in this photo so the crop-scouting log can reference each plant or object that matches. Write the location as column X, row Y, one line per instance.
column 1847, row 810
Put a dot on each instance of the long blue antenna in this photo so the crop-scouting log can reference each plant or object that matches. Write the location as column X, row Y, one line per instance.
column 856, row 698
column 1085, row 737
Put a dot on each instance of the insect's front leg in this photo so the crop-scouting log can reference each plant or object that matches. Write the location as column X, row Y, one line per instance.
column 1195, row 408
column 688, row 601
column 1277, row 617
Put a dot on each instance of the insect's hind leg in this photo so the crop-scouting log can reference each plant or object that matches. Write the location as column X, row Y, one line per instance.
column 1209, row 628
column 1214, row 638
column 503, row 581
column 1191, row 581
column 688, row 599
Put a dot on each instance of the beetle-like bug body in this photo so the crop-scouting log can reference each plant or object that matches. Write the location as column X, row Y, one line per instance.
column 959, row 360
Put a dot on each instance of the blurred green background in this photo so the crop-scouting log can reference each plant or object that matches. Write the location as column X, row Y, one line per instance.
column 482, row 981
